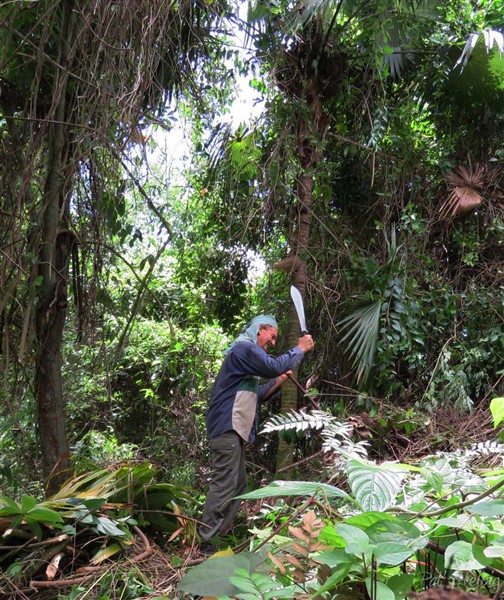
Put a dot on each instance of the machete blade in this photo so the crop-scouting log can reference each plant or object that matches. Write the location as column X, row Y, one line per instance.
column 298, row 304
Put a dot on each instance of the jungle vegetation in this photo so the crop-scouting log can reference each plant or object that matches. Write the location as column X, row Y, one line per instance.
column 371, row 178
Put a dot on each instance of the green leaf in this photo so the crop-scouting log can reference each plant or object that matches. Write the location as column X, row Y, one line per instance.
column 362, row 333
column 490, row 508
column 295, row 488
column 482, row 557
column 460, row 522
column 27, row 503
column 495, row 551
column 357, row 542
column 211, row 578
column 459, row 556
column 45, row 515
column 34, row 527
column 334, row 558
column 497, row 410
column 401, row 584
column 383, row 592
column 339, row 571
column 94, row 503
column 10, row 508
column 107, row 526
column 105, row 553
column 368, row 519
column 389, row 553
column 374, row 487
column 395, row 530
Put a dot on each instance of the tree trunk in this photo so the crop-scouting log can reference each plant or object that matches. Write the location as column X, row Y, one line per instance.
column 53, row 261
column 50, row 320
column 309, row 135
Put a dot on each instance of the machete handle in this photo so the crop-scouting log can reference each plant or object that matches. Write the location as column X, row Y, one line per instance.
column 312, row 401
column 296, row 383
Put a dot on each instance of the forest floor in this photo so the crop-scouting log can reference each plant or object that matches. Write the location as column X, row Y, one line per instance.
column 157, row 570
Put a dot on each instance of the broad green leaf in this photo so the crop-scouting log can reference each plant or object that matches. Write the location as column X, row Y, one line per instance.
column 490, row 508
column 357, row 542
column 295, row 488
column 333, row 558
column 16, row 521
column 34, row 527
column 481, row 556
column 497, row 410
column 211, row 578
column 383, row 592
column 85, row 517
column 255, row 585
column 401, row 584
column 94, row 503
column 389, row 553
column 374, row 487
column 368, row 519
column 27, row 503
column 339, row 571
column 459, row 556
column 107, row 526
column 45, row 515
column 494, row 551
column 330, row 537
column 10, row 507
column 460, row 522
column 395, row 530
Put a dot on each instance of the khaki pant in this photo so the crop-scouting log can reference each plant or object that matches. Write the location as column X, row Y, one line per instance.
column 229, row 479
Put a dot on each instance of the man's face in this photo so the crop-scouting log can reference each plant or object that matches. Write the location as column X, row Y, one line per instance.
column 267, row 336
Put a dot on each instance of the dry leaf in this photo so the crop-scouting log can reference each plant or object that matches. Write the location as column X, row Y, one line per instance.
column 52, row 568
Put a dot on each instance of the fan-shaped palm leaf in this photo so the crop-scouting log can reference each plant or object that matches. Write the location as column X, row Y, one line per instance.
column 461, row 202
column 362, row 327
column 491, row 38
column 469, row 186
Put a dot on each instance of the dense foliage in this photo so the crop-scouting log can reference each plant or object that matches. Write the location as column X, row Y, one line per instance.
column 372, row 179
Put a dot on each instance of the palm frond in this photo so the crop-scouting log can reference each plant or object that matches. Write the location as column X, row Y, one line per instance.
column 469, row 186
column 491, row 38
column 461, row 202
column 362, row 326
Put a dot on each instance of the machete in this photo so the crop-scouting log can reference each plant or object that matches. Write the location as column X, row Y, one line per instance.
column 298, row 304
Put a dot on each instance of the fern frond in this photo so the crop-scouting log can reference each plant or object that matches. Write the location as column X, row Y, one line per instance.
column 336, row 434
column 297, row 421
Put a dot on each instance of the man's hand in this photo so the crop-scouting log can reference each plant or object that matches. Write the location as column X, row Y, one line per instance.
column 306, row 343
column 285, row 375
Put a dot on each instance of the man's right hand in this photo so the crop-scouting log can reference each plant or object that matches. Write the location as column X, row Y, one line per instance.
column 306, row 343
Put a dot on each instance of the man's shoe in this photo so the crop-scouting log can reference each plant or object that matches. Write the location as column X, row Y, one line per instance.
column 207, row 549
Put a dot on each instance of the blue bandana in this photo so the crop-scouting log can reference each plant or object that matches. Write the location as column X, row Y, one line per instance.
column 250, row 331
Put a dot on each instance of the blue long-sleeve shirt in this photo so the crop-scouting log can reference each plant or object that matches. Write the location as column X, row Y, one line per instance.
column 237, row 391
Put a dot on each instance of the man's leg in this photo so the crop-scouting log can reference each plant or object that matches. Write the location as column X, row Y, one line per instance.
column 233, row 507
column 228, row 463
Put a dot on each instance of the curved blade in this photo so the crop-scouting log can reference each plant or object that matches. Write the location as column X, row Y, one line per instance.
column 298, row 303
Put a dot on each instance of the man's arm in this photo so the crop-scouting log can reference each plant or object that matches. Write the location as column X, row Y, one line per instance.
column 270, row 391
column 256, row 361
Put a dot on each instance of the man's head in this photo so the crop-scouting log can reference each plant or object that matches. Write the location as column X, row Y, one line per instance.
column 266, row 336
column 262, row 330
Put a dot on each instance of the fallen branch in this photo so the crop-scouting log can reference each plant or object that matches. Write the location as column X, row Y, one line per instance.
column 87, row 572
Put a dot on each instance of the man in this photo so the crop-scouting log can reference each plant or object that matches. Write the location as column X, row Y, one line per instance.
column 231, row 417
